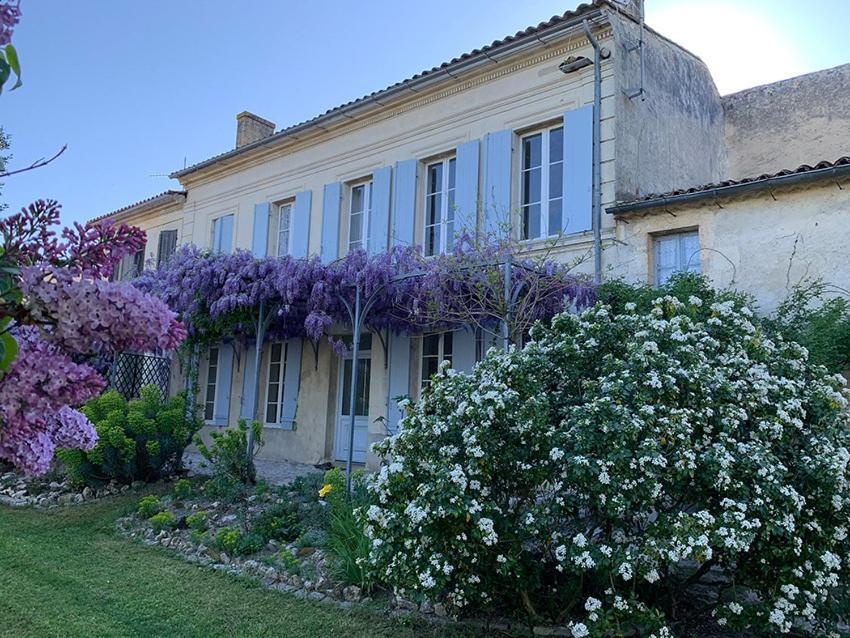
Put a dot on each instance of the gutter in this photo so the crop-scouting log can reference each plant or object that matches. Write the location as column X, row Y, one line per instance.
column 365, row 104
column 834, row 172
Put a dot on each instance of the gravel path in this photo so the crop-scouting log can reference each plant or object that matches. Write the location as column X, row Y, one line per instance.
column 274, row 472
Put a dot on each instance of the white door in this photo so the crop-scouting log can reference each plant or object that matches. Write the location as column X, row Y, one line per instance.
column 361, row 403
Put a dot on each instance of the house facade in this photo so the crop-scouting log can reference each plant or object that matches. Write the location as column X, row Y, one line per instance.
column 503, row 138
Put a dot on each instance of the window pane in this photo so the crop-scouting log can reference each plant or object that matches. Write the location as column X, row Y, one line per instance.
column 531, row 186
column 452, row 163
column 556, row 145
column 355, row 236
column 357, row 199
column 555, row 217
column 556, row 180
column 448, row 338
column 346, row 387
column 531, row 221
column 532, row 149
column 667, row 252
column 364, row 369
column 690, row 252
column 271, row 413
column 431, row 345
column 435, row 178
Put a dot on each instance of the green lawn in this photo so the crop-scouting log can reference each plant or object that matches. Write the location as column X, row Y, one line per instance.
column 66, row 572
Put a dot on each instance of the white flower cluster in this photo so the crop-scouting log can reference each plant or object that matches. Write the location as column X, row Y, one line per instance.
column 631, row 452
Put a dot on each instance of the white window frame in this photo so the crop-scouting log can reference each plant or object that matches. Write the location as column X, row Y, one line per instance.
column 212, row 382
column 441, row 356
column 366, row 212
column 685, row 262
column 545, row 135
column 445, row 208
column 278, row 211
column 277, row 401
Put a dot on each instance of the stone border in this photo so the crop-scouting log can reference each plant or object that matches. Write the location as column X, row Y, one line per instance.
column 15, row 492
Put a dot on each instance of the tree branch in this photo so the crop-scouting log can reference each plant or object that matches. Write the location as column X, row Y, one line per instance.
column 36, row 164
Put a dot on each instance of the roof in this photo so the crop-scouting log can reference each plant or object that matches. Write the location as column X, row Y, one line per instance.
column 729, row 187
column 486, row 54
column 165, row 197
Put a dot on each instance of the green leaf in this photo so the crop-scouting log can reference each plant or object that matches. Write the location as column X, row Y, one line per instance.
column 5, row 72
column 14, row 64
column 8, row 350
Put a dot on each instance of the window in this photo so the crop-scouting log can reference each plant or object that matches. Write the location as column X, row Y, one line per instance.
column 678, row 252
column 212, row 377
column 359, row 209
column 364, row 375
column 129, row 267
column 440, row 207
column 274, row 389
column 542, row 183
column 221, row 239
column 167, row 246
column 280, row 226
column 436, row 347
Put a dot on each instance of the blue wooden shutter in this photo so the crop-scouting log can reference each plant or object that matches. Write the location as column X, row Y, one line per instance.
column 246, row 409
column 463, row 349
column 299, row 224
column 260, row 232
column 578, row 170
column 379, row 224
column 291, row 383
column 466, row 188
column 404, row 203
column 224, row 377
column 225, row 244
column 330, row 221
column 399, row 376
column 496, row 198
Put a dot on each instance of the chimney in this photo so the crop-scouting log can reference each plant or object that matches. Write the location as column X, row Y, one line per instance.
column 251, row 128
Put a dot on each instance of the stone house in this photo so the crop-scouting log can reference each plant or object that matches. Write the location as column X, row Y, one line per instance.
column 687, row 179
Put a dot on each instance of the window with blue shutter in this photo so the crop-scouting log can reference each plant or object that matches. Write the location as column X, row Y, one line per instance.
column 578, row 170
column 260, row 230
column 466, row 188
column 541, row 184
column 359, row 215
column 299, row 229
column 331, row 199
column 218, row 384
column 496, row 198
column 404, row 203
column 221, row 240
column 380, row 220
column 399, row 377
column 440, row 181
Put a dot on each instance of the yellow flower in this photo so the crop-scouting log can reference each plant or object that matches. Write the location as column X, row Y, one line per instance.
column 327, row 487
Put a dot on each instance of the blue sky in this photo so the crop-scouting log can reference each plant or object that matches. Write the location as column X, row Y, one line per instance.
column 137, row 88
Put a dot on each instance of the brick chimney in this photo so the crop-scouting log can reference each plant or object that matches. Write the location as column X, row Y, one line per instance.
column 251, row 128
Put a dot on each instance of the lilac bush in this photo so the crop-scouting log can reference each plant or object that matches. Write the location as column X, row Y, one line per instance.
column 56, row 313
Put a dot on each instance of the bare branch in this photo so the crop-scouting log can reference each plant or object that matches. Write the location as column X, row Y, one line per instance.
column 36, row 164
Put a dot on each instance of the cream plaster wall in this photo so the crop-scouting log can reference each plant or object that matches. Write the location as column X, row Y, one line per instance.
column 759, row 245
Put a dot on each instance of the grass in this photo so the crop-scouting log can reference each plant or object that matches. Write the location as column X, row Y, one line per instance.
column 67, row 572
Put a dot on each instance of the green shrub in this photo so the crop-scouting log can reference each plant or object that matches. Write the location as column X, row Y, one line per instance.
column 163, row 520
column 312, row 537
column 289, row 562
column 636, row 472
column 225, row 539
column 226, row 456
column 199, row 537
column 249, row 543
column 345, row 539
column 142, row 439
column 197, row 521
column 278, row 522
column 148, row 506
column 307, row 486
column 183, row 489
column 237, row 543
column 817, row 320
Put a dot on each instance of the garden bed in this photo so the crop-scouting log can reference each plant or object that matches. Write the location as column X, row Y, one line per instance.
column 51, row 490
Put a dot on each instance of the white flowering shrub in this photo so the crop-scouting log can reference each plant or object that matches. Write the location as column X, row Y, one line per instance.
column 641, row 471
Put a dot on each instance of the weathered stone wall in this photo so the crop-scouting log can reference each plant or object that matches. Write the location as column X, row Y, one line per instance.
column 802, row 120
